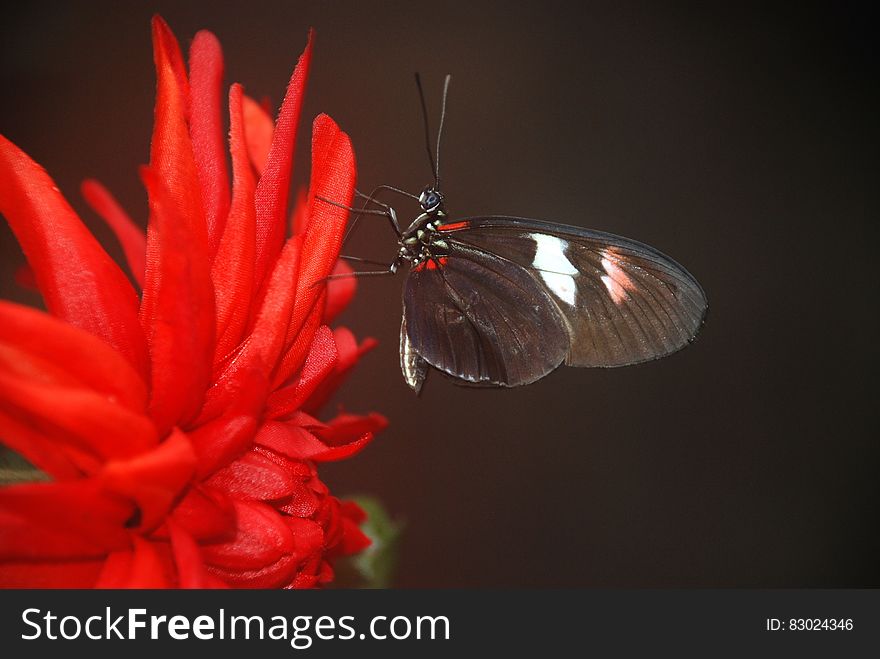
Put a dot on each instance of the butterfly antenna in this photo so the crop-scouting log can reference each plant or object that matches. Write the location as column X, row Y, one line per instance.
column 440, row 131
column 427, row 129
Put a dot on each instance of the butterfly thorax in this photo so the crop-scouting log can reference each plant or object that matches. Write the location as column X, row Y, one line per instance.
column 422, row 242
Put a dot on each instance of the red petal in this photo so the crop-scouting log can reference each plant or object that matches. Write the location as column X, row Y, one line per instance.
column 171, row 149
column 205, row 514
column 346, row 428
column 340, row 291
column 206, row 130
column 333, row 177
column 77, row 417
column 85, row 358
column 258, row 130
column 297, row 442
column 353, row 539
column 44, row 453
column 254, row 477
column 177, row 312
column 349, row 355
column 264, row 345
column 141, row 567
column 60, row 521
column 155, row 479
column 299, row 218
column 265, row 552
column 130, row 235
column 191, row 572
column 272, row 190
column 55, row 574
column 233, row 269
column 80, row 283
column 320, row 361
column 299, row 343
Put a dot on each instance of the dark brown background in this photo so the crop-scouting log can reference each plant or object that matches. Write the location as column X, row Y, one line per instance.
column 740, row 141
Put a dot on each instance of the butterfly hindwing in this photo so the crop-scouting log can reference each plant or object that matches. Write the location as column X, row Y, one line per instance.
column 483, row 319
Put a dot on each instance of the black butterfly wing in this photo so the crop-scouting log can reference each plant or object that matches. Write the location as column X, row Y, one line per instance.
column 623, row 302
column 480, row 318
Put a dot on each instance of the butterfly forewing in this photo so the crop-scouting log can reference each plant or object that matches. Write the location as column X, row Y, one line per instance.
column 622, row 302
column 483, row 318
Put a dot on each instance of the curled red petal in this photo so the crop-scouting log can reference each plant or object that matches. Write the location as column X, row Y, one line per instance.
column 266, row 550
column 84, row 357
column 177, row 312
column 130, row 235
column 297, row 442
column 154, row 479
column 346, row 428
column 206, row 131
column 258, row 130
column 233, row 268
column 273, row 187
column 78, row 280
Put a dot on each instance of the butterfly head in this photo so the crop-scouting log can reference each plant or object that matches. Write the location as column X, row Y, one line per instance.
column 431, row 200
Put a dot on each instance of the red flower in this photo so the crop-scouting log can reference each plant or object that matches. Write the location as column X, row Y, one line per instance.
column 178, row 426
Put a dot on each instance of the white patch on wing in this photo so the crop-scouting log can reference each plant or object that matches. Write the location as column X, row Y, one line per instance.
column 555, row 268
column 616, row 281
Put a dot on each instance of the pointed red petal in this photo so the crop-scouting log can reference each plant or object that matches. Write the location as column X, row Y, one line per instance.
column 171, row 149
column 80, row 283
column 258, row 130
column 206, row 130
column 233, row 269
column 177, row 312
column 299, row 342
column 333, row 177
column 273, row 188
column 85, row 358
column 155, row 479
column 130, row 235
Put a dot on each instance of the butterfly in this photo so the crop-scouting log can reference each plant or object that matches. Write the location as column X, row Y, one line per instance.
column 503, row 301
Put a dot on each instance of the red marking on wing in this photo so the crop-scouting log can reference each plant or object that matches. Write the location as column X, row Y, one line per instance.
column 454, row 226
column 431, row 264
